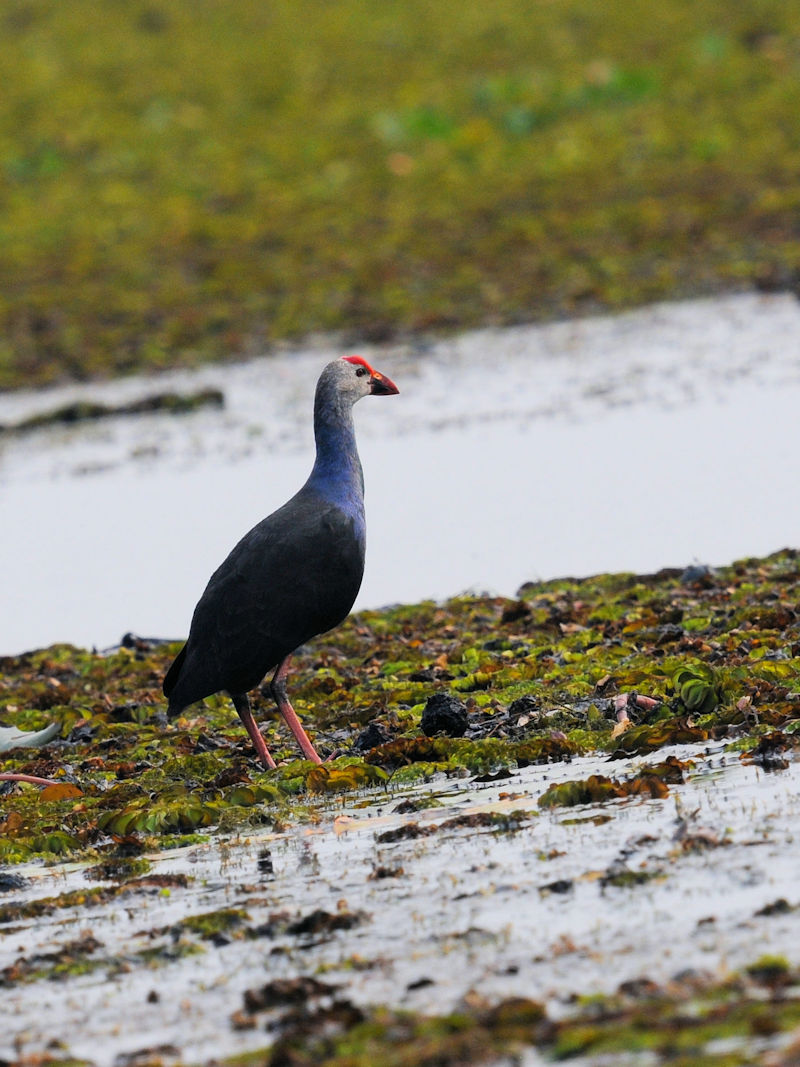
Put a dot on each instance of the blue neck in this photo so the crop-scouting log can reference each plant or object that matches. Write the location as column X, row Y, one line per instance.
column 337, row 474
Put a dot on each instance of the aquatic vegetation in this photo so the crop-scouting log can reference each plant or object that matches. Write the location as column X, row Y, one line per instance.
column 72, row 959
column 12, row 912
column 91, row 411
column 343, row 779
column 687, row 1023
column 695, row 687
column 602, row 664
column 213, row 924
column 597, row 788
column 495, row 821
column 184, row 184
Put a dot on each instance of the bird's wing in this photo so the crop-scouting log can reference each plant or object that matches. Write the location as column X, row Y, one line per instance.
column 294, row 575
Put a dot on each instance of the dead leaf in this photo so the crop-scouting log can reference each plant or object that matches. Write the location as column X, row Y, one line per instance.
column 60, row 791
column 12, row 824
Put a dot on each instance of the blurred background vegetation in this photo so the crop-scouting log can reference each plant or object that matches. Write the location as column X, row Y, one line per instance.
column 191, row 179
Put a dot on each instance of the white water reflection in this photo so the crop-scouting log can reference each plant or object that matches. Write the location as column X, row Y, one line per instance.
column 620, row 443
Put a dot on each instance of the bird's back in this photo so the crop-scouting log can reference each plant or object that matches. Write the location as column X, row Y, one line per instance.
column 293, row 576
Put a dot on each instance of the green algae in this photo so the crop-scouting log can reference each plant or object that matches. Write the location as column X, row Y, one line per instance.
column 356, row 1038
column 72, row 959
column 80, row 898
column 624, row 878
column 343, row 779
column 558, row 661
column 770, row 970
column 597, row 789
column 212, row 924
column 168, row 841
column 686, row 1024
column 495, row 821
column 118, row 869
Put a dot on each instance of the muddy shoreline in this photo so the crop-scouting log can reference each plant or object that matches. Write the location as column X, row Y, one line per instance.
column 603, row 858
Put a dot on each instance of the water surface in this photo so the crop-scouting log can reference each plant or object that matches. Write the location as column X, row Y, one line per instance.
column 631, row 442
column 467, row 912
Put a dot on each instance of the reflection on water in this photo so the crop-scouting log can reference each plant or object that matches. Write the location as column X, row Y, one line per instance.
column 622, row 443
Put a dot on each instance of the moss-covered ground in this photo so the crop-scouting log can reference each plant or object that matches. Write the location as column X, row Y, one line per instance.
column 621, row 664
column 183, row 182
column 613, row 665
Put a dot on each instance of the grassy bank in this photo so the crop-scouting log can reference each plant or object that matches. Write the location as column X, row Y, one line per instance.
column 618, row 664
column 184, row 182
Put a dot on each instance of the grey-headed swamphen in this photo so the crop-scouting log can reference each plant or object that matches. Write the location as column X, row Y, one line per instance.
column 293, row 576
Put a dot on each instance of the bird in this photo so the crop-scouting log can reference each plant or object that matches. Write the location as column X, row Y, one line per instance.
column 294, row 576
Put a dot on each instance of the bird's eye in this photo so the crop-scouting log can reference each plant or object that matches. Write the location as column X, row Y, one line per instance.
column 360, row 372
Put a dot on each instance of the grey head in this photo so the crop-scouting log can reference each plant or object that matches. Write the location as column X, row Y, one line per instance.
column 351, row 377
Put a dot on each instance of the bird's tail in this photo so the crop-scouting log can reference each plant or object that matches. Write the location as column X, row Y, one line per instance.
column 173, row 674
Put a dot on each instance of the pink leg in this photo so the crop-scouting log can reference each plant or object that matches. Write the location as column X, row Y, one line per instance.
column 32, row 778
column 241, row 702
column 278, row 690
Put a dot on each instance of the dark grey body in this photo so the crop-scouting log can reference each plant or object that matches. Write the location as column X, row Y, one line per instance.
column 293, row 576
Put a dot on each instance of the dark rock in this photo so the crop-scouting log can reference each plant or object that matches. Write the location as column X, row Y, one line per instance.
column 382, row 871
column 127, row 712
column 80, row 734
column 697, row 574
column 562, row 885
column 666, row 574
column 778, row 907
column 301, row 1026
column 668, row 633
column 494, row 776
column 693, row 979
column 640, row 988
column 285, row 991
column 323, row 922
column 375, row 733
column 444, row 714
column 143, row 1057
column 517, row 609
column 206, row 743
column 526, row 705
column 9, row 881
column 496, row 644
column 424, row 675
column 404, row 833
column 139, row 644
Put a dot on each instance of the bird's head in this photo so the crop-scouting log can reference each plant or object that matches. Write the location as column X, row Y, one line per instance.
column 342, row 383
column 357, row 378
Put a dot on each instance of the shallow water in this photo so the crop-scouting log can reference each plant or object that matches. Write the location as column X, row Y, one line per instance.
column 467, row 910
column 632, row 442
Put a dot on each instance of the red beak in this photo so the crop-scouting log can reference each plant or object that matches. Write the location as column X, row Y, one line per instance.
column 381, row 385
